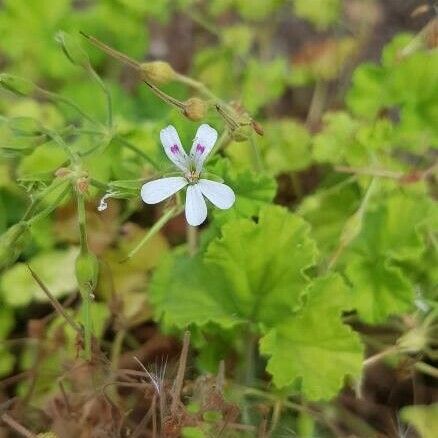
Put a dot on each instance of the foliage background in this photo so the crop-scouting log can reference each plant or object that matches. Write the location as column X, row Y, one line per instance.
column 293, row 296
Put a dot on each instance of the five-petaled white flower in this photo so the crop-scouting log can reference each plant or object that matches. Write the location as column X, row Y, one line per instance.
column 191, row 167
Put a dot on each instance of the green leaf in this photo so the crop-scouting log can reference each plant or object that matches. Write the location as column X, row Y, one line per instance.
column 184, row 291
column 7, row 321
column 327, row 211
column 253, row 273
column 424, row 418
column 263, row 83
column 393, row 229
column 332, row 144
column 7, row 361
column 285, row 146
column 368, row 93
column 322, row 13
column 42, row 162
column 56, row 270
column 314, row 345
column 380, row 289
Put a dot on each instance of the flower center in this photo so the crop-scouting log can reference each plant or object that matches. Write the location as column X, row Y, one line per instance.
column 192, row 176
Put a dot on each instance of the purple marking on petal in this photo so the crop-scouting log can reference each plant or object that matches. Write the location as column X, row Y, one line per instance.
column 200, row 148
column 174, row 149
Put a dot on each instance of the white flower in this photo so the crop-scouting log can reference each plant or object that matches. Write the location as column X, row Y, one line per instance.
column 191, row 167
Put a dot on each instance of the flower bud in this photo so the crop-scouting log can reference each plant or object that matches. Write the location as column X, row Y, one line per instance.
column 82, row 184
column 17, row 85
column 195, row 109
column 72, row 49
column 87, row 271
column 158, row 72
column 63, row 172
column 47, row 435
column 12, row 243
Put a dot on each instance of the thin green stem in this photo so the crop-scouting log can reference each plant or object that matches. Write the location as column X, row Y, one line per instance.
column 38, row 198
column 58, row 98
column 43, row 213
column 169, row 214
column 135, row 149
column 192, row 239
column 85, row 294
column 107, row 93
column 257, row 159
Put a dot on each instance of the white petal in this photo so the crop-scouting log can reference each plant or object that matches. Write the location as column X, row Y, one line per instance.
column 173, row 147
column 160, row 189
column 196, row 209
column 203, row 143
column 218, row 194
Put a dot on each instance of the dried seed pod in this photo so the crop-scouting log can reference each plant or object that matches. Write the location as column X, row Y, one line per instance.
column 195, row 109
column 157, row 72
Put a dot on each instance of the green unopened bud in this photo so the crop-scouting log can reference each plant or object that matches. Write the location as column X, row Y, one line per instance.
column 47, row 435
column 87, row 271
column 17, row 85
column 12, row 243
column 72, row 49
column 195, row 109
column 157, row 72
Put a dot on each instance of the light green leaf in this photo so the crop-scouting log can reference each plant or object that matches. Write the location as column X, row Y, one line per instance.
column 394, row 228
column 42, row 162
column 6, row 321
column 380, row 289
column 332, row 144
column 7, row 361
column 263, row 83
column 424, row 418
column 56, row 270
column 184, row 291
column 322, row 13
column 327, row 211
column 253, row 273
column 285, row 146
column 314, row 345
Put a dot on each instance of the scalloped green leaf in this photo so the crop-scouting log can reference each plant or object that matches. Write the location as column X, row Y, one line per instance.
column 380, row 289
column 253, row 273
column 393, row 229
column 314, row 345
column 424, row 418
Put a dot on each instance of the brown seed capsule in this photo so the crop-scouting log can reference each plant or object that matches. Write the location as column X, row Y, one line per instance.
column 82, row 184
column 157, row 72
column 63, row 172
column 195, row 109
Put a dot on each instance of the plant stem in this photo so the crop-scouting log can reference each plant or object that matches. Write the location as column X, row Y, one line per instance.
column 153, row 230
column 117, row 348
column 85, row 294
column 135, row 149
column 17, row 427
column 257, row 159
column 38, row 198
column 192, row 239
column 317, row 104
column 107, row 93
column 179, row 380
column 50, row 208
